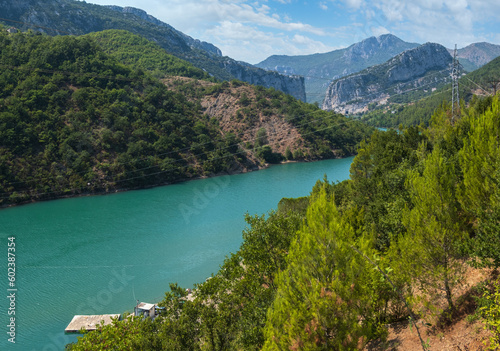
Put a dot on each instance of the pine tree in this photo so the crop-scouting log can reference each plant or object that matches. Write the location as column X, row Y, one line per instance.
column 429, row 251
column 324, row 299
column 480, row 193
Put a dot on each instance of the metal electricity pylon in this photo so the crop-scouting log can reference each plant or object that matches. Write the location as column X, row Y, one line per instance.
column 455, row 99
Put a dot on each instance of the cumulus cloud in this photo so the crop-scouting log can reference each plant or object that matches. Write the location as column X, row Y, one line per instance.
column 229, row 23
column 443, row 21
column 239, row 40
column 354, row 4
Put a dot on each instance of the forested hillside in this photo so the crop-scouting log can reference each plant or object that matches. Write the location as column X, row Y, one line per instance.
column 134, row 50
column 331, row 271
column 76, row 120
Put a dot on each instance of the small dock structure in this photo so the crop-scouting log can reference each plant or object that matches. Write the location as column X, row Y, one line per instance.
column 89, row 322
column 145, row 309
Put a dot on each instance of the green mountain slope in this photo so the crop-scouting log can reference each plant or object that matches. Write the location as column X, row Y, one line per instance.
column 74, row 120
column 134, row 50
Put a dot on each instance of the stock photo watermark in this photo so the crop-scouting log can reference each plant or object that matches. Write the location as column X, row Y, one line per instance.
column 119, row 281
column 11, row 289
column 92, row 305
column 202, row 196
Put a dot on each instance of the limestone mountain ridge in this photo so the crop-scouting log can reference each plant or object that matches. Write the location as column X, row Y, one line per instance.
column 70, row 17
column 425, row 66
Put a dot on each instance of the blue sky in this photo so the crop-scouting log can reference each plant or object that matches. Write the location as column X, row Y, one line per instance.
column 254, row 30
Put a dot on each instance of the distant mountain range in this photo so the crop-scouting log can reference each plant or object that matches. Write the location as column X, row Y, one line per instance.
column 482, row 82
column 305, row 77
column 60, row 17
column 424, row 66
column 320, row 69
column 477, row 55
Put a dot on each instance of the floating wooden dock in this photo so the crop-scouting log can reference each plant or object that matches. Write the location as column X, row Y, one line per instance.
column 89, row 322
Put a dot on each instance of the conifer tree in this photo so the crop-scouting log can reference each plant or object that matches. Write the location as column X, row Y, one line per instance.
column 429, row 251
column 480, row 193
column 324, row 299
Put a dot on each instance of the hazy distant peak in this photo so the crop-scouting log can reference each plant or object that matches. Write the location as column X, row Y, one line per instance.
column 476, row 55
column 376, row 45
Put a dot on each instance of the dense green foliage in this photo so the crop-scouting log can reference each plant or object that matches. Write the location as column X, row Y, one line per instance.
column 328, row 297
column 134, row 50
column 388, row 244
column 491, row 313
column 74, row 120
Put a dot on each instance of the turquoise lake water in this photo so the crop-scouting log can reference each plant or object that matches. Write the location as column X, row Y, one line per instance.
column 99, row 254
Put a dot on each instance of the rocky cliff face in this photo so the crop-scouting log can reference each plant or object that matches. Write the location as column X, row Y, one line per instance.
column 319, row 68
column 425, row 65
column 56, row 17
column 293, row 85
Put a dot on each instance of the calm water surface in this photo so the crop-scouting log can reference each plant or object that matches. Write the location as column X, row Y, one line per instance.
column 99, row 254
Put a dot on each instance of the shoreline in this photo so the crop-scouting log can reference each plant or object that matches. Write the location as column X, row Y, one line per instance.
column 115, row 191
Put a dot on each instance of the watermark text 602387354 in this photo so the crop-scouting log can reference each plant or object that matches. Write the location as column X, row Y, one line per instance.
column 11, row 289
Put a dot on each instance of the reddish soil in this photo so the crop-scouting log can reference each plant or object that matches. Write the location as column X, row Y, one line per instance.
column 459, row 334
column 226, row 108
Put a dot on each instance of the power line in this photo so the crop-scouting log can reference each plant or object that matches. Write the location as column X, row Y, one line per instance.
column 171, row 170
column 251, row 131
column 455, row 99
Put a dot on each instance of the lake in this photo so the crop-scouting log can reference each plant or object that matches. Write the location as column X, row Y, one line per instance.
column 99, row 254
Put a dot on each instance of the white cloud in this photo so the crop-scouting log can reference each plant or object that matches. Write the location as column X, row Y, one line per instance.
column 194, row 16
column 354, row 4
column 378, row 30
column 323, row 6
column 443, row 21
column 238, row 40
